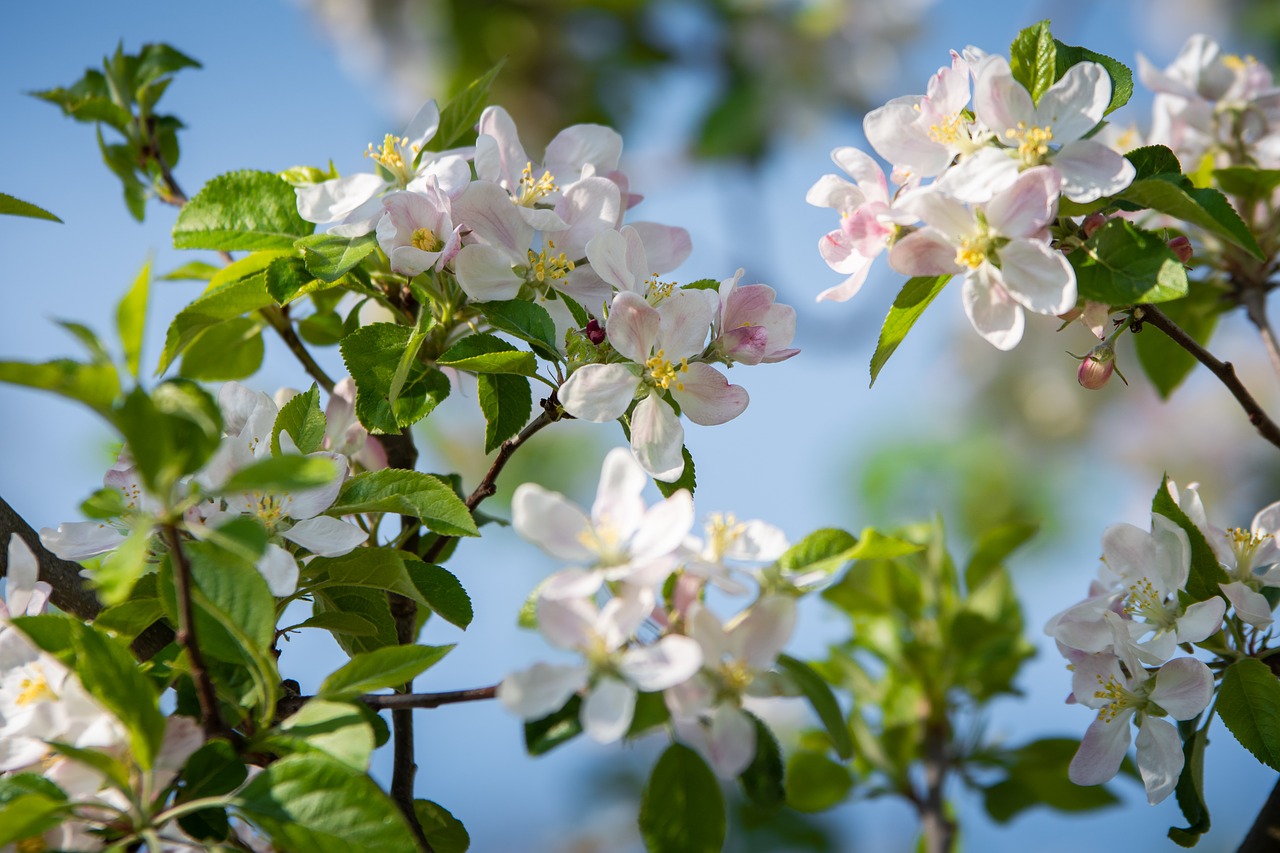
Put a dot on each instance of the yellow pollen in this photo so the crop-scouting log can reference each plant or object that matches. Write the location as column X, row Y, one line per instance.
column 948, row 132
column 545, row 265
column 1118, row 699
column 426, row 240
column 737, row 676
column 1033, row 142
column 391, row 156
column 34, row 844
column 34, row 689
column 971, row 253
column 663, row 373
column 533, row 190
column 1237, row 63
column 1245, row 545
column 722, row 532
column 604, row 541
column 655, row 291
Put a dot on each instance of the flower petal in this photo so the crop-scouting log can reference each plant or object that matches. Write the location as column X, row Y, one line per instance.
column 280, row 570
column 607, row 712
column 666, row 663
column 599, row 392
column 1160, row 758
column 538, row 691
column 325, row 536
column 1183, row 687
column 1101, row 750
column 993, row 314
column 657, row 438
column 550, row 521
column 1039, row 278
column 706, row 397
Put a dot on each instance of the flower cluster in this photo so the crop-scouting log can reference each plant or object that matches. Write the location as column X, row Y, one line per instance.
column 553, row 233
column 605, row 608
column 981, row 166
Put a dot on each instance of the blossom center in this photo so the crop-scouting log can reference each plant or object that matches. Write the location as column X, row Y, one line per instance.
column 947, row 131
column 545, row 265
column 1245, row 545
column 391, row 156
column 426, row 240
column 722, row 532
column 1145, row 600
column 972, row 252
column 655, row 291
column 605, row 542
column 737, row 676
column 1033, row 142
column 533, row 190
column 663, row 374
column 34, row 688
column 1119, row 698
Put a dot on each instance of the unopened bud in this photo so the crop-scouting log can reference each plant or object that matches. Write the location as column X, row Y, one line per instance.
column 1096, row 367
column 594, row 333
column 1181, row 247
column 1092, row 223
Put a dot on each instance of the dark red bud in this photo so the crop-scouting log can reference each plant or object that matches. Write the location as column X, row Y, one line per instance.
column 1092, row 223
column 1181, row 247
column 594, row 333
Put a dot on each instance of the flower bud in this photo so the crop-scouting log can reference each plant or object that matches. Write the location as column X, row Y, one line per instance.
column 594, row 333
column 1092, row 223
column 1181, row 247
column 1096, row 367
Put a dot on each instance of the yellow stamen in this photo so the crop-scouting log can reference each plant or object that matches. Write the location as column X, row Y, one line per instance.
column 1033, row 142
column 534, row 190
column 426, row 240
column 971, row 252
column 722, row 532
column 391, row 156
column 663, row 374
column 545, row 266
column 948, row 131
column 34, row 689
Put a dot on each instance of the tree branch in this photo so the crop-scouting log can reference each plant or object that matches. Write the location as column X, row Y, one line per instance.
column 186, row 637
column 1254, row 301
column 1226, row 373
column 1264, row 835
column 279, row 321
column 400, row 701
column 939, row 829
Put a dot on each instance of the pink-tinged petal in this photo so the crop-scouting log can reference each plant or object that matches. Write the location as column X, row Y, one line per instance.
column 1091, row 170
column 946, row 214
column 486, row 273
column 706, row 397
column 664, row 526
column 838, row 250
column 731, row 742
column 450, row 172
column 657, row 439
column 571, row 583
column 607, row 253
column 633, row 326
column 607, row 712
column 1074, row 105
column 999, row 101
column 541, row 689
column 583, row 286
column 542, row 219
column 866, row 231
column 1027, row 206
column 834, row 192
column 411, row 261
column 706, row 629
column 551, row 522
column 891, row 132
column 1250, row 606
column 668, row 662
column 948, row 90
column 993, row 314
column 326, row 537
column 623, row 615
column 688, row 699
column 80, row 540
column 849, row 288
column 1183, row 687
column 685, row 320
column 665, row 246
column 746, row 305
column 486, row 209
column 864, row 170
column 280, row 570
column 1160, row 758
column 1038, row 277
column 334, row 199
column 618, row 503
column 1201, row 620
column 978, row 177
column 499, row 155
column 1129, row 551
column 599, row 392
column 568, row 623
column 1101, row 750
column 591, row 206
column 583, row 145
column 422, row 127
column 763, row 631
column 924, row 252
column 1267, row 520
column 745, row 344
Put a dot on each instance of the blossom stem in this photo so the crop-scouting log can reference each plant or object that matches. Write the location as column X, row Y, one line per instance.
column 186, row 637
column 1226, row 373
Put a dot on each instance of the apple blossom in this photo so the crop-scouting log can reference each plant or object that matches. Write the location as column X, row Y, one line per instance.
column 728, row 540
column 24, row 595
column 749, row 327
column 416, row 230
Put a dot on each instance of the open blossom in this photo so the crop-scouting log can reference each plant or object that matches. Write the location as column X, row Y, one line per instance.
column 750, row 327
column 416, row 230
column 659, row 343
column 1001, row 251
column 727, row 544
column 24, row 595
column 629, row 259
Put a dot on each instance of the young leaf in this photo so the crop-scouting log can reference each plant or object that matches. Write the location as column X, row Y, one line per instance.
column 389, row 667
column 17, row 207
column 1066, row 56
column 819, row 694
column 506, row 402
column 192, row 271
column 329, row 257
column 222, row 301
column 1249, row 705
column 379, row 569
column 338, row 729
column 910, row 303
column 816, row 782
column 826, row 550
column 542, row 736
column 688, row 478
column 423, row 496
column 131, row 315
column 95, row 385
column 1123, row 265
column 1206, row 572
column 1190, row 791
column 241, row 211
column 228, row 350
column 993, row 547
column 290, row 473
column 442, row 591
column 487, row 354
column 444, row 832
column 526, row 321
column 302, row 420
column 682, row 810
column 370, row 354
column 459, row 117
column 1032, row 59
column 762, row 780
column 1151, row 160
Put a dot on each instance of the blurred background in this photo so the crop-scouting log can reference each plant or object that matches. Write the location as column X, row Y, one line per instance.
column 729, row 109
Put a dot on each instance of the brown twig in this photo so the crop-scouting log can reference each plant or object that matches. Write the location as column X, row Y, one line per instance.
column 400, row 701
column 1264, row 835
column 1226, row 373
column 186, row 636
column 1254, row 301
column 939, row 829
column 279, row 321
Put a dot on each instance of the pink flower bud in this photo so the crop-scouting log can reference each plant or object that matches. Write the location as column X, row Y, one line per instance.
column 1181, row 247
column 1092, row 223
column 1096, row 367
column 594, row 333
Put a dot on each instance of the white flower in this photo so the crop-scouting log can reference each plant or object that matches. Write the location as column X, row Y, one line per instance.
column 728, row 539
column 24, row 595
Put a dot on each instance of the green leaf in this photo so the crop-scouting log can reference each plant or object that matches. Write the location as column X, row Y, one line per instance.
column 459, row 117
column 302, row 420
column 506, row 402
column 650, row 713
column 314, row 803
column 443, row 592
column 1206, row 207
column 993, row 547
column 341, row 623
column 910, row 303
column 688, row 478
column 682, row 810
column 212, row 770
column 444, row 832
column 114, row 578
column 423, row 496
column 526, row 321
column 1032, row 58
column 95, row 385
column 1249, row 705
column 290, row 473
column 171, row 433
column 390, row 667
column 131, row 316
column 382, row 569
column 1166, row 363
column 1123, row 265
column 110, row 674
column 762, row 780
column 222, row 301
column 241, row 211
column 1190, row 791
column 30, row 815
column 88, row 339
column 130, row 618
column 288, row 278
column 329, row 257
column 370, row 605
column 17, row 207
column 819, row 694
column 1247, row 181
column 1151, row 160
column 192, row 271
column 822, row 550
column 371, row 354
column 225, row 351
column 233, row 594
column 1206, row 572
column 815, row 782
column 543, row 735
column 1037, row 775
column 1121, row 77
column 874, row 545
column 487, row 354
column 338, row 729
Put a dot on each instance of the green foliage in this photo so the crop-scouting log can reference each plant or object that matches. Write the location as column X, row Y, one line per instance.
column 543, row 735
column 819, row 695
column 212, row 770
column 762, row 781
column 381, row 569
column 366, row 603
column 238, row 289
column 11, row 206
column 682, row 810
column 1247, row 182
column 1249, row 705
column 525, row 320
column 1033, row 59
column 910, row 303
column 1122, row 264
column 444, row 832
column 816, row 782
column 241, row 211
column 1035, row 774
column 289, row 473
column 301, row 419
column 443, row 592
column 338, row 730
column 459, row 117
column 95, row 385
column 488, row 354
column 506, row 402
column 423, row 496
column 1206, row 572
column 366, row 354
column 688, row 478
column 171, row 433
column 1190, row 789
column 1204, row 207
column 394, row 666
column 131, row 317
column 329, row 257
column 116, row 575
column 1164, row 362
